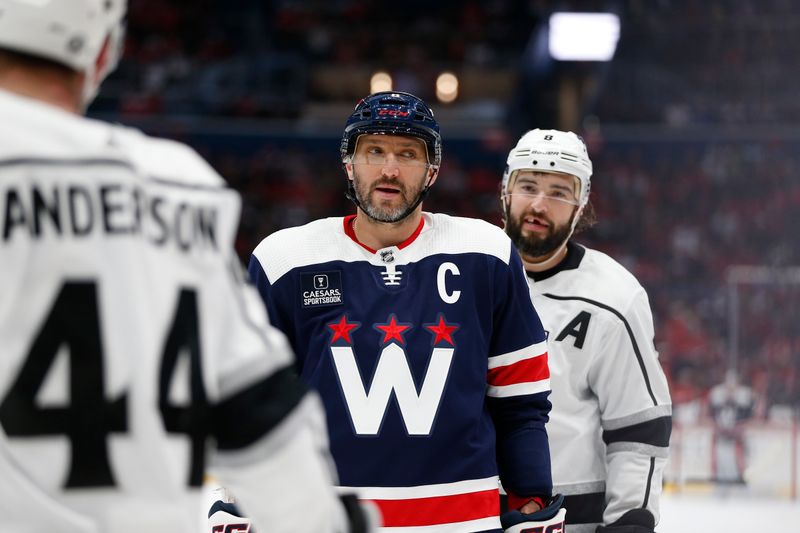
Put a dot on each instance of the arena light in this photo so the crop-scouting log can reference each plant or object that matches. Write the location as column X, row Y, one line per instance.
column 583, row 36
column 380, row 81
column 447, row 87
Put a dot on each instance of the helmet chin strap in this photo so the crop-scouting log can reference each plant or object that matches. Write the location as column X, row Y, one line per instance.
column 421, row 196
column 350, row 194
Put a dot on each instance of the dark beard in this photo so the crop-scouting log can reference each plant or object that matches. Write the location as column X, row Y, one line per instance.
column 536, row 246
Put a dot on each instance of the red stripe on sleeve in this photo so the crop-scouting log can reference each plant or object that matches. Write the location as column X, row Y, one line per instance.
column 525, row 371
column 440, row 509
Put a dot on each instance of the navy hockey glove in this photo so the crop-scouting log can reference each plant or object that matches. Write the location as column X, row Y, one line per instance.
column 634, row 521
column 547, row 520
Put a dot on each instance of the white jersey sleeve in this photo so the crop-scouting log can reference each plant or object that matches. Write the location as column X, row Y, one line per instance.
column 133, row 353
column 634, row 408
column 611, row 420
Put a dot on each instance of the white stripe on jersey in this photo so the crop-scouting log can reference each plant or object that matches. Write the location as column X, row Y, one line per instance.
column 518, row 389
column 424, row 491
column 470, row 526
column 529, row 352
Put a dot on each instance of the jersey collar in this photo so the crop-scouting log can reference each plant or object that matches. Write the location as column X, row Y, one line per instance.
column 350, row 232
column 571, row 261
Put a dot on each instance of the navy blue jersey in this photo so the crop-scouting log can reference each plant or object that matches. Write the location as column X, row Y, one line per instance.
column 429, row 357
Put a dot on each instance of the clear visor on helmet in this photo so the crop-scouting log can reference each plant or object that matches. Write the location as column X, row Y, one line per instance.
column 554, row 188
column 384, row 149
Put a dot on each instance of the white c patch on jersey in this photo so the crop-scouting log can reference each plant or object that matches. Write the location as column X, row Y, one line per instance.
column 447, row 297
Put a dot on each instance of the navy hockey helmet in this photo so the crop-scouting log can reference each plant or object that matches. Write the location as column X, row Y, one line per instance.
column 393, row 113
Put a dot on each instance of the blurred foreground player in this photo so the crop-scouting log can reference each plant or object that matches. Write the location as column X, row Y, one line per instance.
column 417, row 330
column 611, row 421
column 131, row 352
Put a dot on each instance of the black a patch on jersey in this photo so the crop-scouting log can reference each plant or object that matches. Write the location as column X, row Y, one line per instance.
column 319, row 289
column 577, row 328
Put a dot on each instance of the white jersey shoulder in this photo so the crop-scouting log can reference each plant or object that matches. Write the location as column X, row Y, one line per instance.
column 45, row 132
column 445, row 234
column 325, row 240
column 167, row 160
column 599, row 278
column 317, row 242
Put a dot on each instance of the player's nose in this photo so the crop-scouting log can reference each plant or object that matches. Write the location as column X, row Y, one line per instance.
column 538, row 202
column 391, row 167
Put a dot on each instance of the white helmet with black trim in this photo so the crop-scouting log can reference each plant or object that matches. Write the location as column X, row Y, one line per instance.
column 550, row 151
column 72, row 33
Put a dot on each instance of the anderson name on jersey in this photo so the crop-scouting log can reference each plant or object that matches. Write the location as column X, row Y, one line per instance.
column 120, row 296
column 430, row 359
column 608, row 389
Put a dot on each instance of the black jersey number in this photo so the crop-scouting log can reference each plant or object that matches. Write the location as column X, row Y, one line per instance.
column 89, row 417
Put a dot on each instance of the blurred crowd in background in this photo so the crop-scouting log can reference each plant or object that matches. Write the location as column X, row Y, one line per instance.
column 693, row 128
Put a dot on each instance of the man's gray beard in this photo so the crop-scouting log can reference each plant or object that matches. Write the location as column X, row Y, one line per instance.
column 382, row 214
column 534, row 246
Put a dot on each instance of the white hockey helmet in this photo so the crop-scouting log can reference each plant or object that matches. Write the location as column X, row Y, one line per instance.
column 551, row 151
column 69, row 32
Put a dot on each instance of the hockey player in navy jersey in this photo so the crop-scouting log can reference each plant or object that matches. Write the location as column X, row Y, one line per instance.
column 611, row 420
column 133, row 355
column 417, row 331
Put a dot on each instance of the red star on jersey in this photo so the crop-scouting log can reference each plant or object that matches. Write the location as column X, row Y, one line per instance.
column 442, row 331
column 342, row 329
column 392, row 330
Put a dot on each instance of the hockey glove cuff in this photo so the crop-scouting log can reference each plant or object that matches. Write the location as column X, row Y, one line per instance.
column 226, row 518
column 550, row 518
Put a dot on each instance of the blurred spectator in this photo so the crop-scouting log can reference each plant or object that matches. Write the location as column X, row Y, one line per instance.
column 731, row 406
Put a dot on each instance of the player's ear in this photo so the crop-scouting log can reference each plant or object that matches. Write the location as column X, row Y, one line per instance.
column 433, row 174
column 348, row 168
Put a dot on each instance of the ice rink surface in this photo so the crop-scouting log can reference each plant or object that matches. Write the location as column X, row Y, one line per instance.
column 731, row 513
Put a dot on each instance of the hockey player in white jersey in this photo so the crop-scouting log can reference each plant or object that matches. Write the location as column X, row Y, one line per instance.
column 132, row 354
column 611, row 420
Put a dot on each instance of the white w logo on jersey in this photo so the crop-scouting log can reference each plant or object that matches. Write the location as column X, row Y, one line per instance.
column 367, row 409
